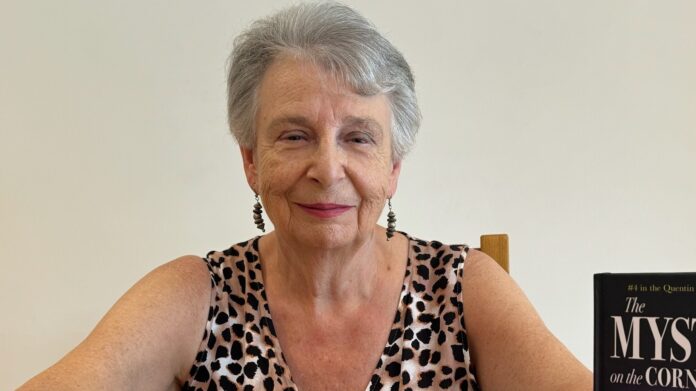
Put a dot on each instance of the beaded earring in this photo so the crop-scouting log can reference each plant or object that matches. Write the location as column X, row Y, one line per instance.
column 391, row 221
column 258, row 218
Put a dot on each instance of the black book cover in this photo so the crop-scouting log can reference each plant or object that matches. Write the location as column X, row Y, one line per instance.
column 645, row 331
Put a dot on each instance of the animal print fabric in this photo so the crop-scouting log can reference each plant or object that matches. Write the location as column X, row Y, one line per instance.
column 427, row 347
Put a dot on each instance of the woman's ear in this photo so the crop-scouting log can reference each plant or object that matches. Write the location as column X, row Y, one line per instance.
column 249, row 166
column 394, row 177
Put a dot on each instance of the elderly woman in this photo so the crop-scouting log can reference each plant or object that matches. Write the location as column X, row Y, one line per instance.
column 324, row 110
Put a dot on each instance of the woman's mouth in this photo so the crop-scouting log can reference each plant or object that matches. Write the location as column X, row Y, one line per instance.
column 325, row 211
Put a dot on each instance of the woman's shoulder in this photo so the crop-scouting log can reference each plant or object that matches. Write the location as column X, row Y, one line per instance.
column 478, row 262
column 435, row 247
column 473, row 262
column 181, row 265
column 238, row 259
column 247, row 250
column 189, row 272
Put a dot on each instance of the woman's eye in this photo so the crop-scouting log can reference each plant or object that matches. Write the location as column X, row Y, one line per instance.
column 294, row 137
column 360, row 139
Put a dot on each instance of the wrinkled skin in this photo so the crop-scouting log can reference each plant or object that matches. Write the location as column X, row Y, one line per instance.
column 319, row 142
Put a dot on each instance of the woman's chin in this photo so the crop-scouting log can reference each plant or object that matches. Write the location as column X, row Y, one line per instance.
column 326, row 236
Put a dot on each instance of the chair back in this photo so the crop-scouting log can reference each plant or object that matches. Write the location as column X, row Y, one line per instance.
column 496, row 246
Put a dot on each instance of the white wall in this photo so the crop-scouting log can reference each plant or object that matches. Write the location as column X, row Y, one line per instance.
column 570, row 125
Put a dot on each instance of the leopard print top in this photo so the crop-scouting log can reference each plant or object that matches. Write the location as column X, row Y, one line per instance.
column 427, row 346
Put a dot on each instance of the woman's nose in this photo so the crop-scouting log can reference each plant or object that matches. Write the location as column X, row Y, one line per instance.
column 327, row 164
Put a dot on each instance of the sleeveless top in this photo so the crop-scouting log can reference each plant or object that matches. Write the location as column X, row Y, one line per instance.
column 426, row 348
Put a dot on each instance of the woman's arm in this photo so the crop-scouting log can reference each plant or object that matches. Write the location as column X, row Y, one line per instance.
column 146, row 341
column 511, row 347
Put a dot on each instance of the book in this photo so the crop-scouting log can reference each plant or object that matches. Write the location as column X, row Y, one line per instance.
column 645, row 331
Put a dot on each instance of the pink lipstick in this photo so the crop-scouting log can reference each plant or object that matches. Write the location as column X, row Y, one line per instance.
column 325, row 211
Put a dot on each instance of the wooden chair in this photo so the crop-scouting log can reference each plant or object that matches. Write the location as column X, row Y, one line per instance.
column 496, row 246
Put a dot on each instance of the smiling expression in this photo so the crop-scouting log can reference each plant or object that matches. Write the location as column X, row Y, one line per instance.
column 322, row 162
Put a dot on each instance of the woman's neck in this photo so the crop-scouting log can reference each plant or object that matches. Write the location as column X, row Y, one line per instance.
column 331, row 280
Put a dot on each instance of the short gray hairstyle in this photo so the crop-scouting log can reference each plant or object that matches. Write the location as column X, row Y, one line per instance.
column 342, row 42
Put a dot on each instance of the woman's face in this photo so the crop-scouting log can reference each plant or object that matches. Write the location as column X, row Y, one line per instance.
column 322, row 163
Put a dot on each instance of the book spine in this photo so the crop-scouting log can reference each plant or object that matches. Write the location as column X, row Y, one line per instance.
column 598, row 337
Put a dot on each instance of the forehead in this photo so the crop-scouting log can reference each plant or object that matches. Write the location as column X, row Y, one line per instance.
column 296, row 87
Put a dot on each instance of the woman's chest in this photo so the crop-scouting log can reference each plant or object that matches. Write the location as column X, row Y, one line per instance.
column 338, row 357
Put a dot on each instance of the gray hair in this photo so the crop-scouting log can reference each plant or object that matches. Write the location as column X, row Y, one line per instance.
column 339, row 40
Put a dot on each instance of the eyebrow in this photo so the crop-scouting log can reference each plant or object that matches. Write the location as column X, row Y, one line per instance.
column 348, row 121
column 363, row 122
column 294, row 120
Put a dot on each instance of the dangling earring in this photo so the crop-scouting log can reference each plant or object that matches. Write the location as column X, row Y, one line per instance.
column 391, row 222
column 258, row 210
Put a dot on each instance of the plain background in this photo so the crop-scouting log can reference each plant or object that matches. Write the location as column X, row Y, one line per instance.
column 569, row 125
